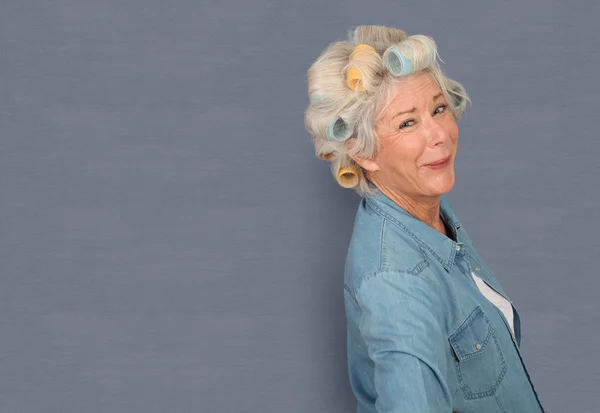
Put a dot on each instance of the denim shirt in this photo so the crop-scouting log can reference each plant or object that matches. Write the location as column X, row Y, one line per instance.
column 421, row 337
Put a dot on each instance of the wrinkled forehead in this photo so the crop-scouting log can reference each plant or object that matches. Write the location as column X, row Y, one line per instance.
column 404, row 93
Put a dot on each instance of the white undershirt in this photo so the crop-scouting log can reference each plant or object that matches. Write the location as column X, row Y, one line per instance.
column 502, row 303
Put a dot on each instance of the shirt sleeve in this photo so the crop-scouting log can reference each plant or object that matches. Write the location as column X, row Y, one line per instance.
column 401, row 324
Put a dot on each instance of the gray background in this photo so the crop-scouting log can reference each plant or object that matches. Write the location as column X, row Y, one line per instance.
column 170, row 243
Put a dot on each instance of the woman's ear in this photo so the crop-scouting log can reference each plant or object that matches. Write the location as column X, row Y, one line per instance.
column 370, row 165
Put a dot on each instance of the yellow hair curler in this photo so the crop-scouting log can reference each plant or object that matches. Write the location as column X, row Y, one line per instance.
column 348, row 176
column 353, row 75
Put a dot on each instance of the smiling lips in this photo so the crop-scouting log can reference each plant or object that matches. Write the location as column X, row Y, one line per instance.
column 441, row 163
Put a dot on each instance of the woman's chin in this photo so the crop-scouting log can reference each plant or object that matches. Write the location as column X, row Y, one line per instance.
column 442, row 184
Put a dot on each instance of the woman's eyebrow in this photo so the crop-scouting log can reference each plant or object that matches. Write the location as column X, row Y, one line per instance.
column 413, row 109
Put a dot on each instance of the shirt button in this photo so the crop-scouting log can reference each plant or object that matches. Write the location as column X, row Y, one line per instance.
column 477, row 268
column 458, row 248
column 478, row 346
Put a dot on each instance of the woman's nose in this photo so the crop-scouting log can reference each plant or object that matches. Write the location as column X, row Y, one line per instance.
column 435, row 133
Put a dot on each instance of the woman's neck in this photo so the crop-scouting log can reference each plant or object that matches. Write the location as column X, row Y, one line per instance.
column 426, row 209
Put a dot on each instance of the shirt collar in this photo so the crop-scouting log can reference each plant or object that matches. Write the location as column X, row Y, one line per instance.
column 440, row 246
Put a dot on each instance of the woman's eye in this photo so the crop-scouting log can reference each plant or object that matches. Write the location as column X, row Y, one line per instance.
column 444, row 106
column 405, row 124
column 410, row 122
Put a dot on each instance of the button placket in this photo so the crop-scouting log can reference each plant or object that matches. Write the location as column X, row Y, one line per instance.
column 464, row 262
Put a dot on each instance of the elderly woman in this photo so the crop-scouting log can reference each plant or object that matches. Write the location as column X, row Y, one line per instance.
column 430, row 328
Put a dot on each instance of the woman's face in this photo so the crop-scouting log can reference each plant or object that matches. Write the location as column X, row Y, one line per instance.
column 425, row 133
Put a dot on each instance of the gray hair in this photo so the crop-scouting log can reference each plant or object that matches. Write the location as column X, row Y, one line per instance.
column 330, row 96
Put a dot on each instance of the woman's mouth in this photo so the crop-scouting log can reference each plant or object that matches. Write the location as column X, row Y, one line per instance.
column 440, row 164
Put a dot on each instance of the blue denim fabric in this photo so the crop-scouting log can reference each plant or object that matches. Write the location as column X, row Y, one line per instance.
column 421, row 336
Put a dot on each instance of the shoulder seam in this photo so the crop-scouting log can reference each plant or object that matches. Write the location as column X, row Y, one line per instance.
column 374, row 274
column 379, row 272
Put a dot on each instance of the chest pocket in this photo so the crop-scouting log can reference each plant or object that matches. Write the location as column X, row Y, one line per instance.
column 480, row 363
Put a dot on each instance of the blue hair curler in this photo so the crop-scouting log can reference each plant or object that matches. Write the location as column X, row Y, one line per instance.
column 338, row 130
column 397, row 63
column 400, row 64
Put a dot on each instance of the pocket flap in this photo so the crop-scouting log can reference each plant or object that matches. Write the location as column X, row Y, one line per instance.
column 471, row 338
